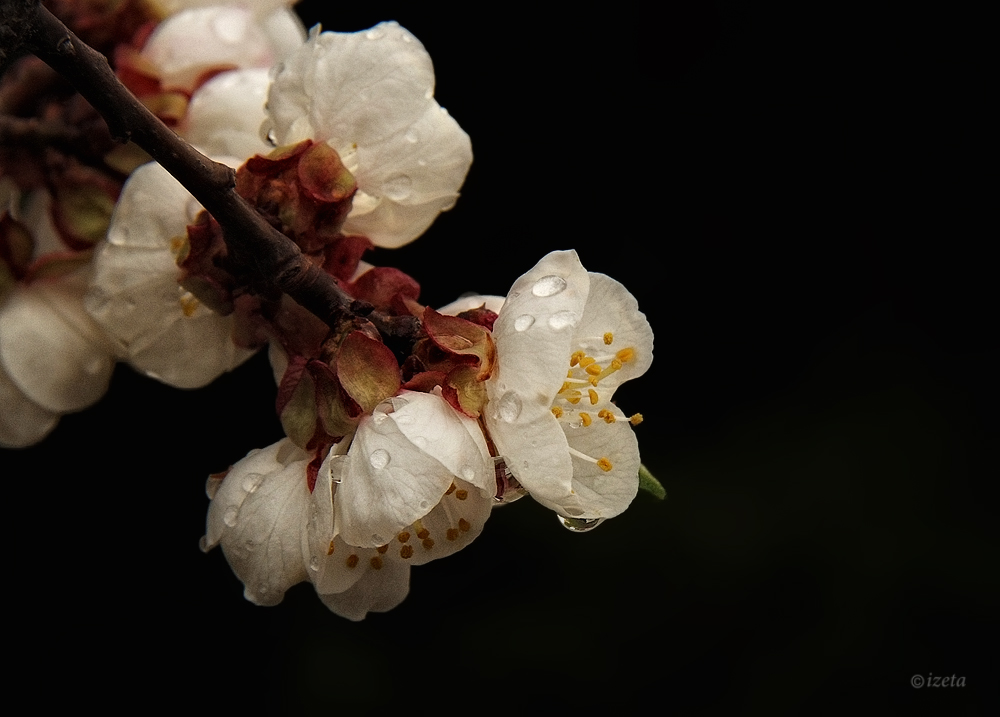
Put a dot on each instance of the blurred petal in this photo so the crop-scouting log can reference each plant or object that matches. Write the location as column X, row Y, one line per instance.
column 226, row 113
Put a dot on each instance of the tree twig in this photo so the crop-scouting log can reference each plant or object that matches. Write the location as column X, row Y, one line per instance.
column 252, row 242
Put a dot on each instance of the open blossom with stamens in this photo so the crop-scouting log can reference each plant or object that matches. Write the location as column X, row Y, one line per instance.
column 565, row 340
column 368, row 96
column 413, row 484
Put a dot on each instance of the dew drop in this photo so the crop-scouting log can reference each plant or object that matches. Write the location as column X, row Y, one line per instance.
column 548, row 285
column 379, row 540
column 468, row 473
column 523, row 322
column 563, row 320
column 314, row 563
column 271, row 138
column 509, row 407
column 420, row 442
column 252, row 482
column 379, row 458
column 374, row 34
column 579, row 525
column 399, row 188
column 229, row 517
column 424, row 505
column 411, row 136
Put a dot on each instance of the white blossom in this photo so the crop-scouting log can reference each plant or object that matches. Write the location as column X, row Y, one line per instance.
column 565, row 340
column 412, row 485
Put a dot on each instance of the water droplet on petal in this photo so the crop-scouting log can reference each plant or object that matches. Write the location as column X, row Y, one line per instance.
column 379, row 540
column 468, row 473
column 548, row 285
column 563, row 320
column 420, row 442
column 314, row 563
column 399, row 188
column 229, row 517
column 509, row 407
column 411, row 136
column 252, row 481
column 424, row 505
column 579, row 525
column 523, row 322
column 379, row 458
column 374, row 34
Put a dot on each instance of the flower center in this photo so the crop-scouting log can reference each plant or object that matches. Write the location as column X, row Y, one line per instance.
column 582, row 389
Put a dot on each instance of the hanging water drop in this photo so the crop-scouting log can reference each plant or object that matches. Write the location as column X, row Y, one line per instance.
column 579, row 525
column 563, row 320
column 523, row 322
column 314, row 563
column 509, row 407
column 548, row 285
column 229, row 517
column 399, row 188
column 252, row 481
column 379, row 458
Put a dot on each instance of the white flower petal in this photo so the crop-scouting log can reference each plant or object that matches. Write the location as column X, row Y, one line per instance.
column 158, row 327
column 50, row 349
column 22, row 421
column 370, row 95
column 454, row 523
column 472, row 301
column 225, row 114
column 611, row 308
column 375, row 591
column 198, row 40
column 259, row 517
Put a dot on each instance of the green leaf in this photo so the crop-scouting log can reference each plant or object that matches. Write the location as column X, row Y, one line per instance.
column 649, row 484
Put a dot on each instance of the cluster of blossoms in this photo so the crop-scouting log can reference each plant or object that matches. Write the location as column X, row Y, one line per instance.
column 394, row 454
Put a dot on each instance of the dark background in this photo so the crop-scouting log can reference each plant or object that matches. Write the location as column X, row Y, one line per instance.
column 796, row 200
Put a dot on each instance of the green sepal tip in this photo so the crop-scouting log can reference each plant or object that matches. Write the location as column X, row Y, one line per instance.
column 649, row 484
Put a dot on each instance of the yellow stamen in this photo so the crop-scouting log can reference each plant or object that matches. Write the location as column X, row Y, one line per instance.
column 604, row 464
column 406, row 551
column 189, row 303
column 403, row 537
column 464, row 525
column 594, row 398
column 376, row 563
column 451, row 533
column 450, row 490
column 574, row 399
column 428, row 543
column 575, row 358
column 352, row 560
column 585, row 418
column 382, row 549
column 586, row 361
column 608, row 338
column 557, row 412
column 461, row 494
column 636, row 419
column 329, row 551
column 607, row 415
column 594, row 369
column 626, row 355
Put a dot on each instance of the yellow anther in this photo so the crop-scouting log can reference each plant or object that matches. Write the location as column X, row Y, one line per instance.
column 586, row 361
column 428, row 543
column 594, row 380
column 604, row 464
column 594, row 398
column 464, row 525
column 594, row 369
column 376, row 563
column 585, row 418
column 403, row 537
column 189, row 303
column 608, row 338
column 626, row 355
column 450, row 490
column 566, row 386
column 557, row 412
column 451, row 534
column 423, row 534
column 616, row 363
column 569, row 374
column 575, row 358
column 382, row 549
column 574, row 398
column 607, row 415
column 406, row 551
column 352, row 560
column 329, row 551
column 636, row 419
column 461, row 494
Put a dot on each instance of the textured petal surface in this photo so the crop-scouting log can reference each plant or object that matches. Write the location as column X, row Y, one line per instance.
column 159, row 328
column 198, row 40
column 259, row 516
column 375, row 591
column 370, row 95
column 50, row 348
column 226, row 113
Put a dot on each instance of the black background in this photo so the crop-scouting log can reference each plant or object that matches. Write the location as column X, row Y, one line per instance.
column 796, row 199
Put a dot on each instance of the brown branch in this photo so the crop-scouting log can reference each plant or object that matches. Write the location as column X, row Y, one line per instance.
column 252, row 242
